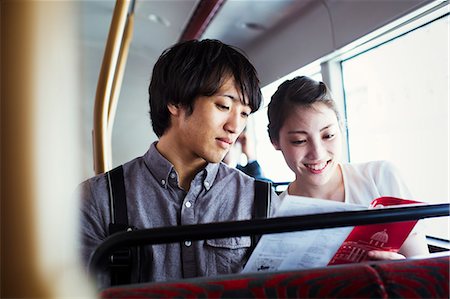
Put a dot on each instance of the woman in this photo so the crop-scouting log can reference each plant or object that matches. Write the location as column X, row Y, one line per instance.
column 304, row 124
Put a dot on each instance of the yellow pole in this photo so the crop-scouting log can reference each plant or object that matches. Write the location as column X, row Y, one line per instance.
column 118, row 78
column 102, row 159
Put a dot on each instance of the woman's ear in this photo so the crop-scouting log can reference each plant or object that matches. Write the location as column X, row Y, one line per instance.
column 276, row 145
column 174, row 109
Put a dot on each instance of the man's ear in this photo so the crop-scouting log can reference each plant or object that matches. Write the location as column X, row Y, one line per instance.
column 174, row 109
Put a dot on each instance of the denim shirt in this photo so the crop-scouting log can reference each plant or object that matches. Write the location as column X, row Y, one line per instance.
column 154, row 199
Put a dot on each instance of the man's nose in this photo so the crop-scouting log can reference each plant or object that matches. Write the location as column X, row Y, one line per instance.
column 235, row 122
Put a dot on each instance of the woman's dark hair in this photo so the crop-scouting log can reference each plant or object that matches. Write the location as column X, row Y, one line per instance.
column 300, row 91
column 195, row 68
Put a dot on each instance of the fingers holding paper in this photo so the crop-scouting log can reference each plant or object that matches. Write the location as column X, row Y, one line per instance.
column 384, row 255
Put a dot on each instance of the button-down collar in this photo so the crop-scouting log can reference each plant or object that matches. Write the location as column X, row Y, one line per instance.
column 164, row 171
column 158, row 166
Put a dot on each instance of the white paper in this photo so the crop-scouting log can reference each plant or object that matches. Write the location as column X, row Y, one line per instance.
column 303, row 249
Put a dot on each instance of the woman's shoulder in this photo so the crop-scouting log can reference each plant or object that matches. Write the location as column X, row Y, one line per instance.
column 383, row 175
column 372, row 167
column 283, row 194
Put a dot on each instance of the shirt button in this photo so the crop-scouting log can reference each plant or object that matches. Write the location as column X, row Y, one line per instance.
column 163, row 182
column 172, row 175
column 188, row 204
column 188, row 243
column 206, row 184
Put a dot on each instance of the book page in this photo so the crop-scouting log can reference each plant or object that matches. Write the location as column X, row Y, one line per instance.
column 331, row 246
column 303, row 249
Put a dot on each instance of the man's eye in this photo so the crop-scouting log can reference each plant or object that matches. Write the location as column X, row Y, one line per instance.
column 245, row 114
column 298, row 142
column 329, row 136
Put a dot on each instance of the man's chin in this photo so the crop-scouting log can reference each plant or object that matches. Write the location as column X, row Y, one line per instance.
column 214, row 160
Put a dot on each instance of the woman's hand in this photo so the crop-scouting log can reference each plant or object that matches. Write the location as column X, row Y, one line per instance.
column 384, row 255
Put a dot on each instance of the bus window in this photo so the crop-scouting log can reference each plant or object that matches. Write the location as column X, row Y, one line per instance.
column 395, row 93
column 397, row 109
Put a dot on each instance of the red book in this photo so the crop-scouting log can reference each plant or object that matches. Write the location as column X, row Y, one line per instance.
column 384, row 236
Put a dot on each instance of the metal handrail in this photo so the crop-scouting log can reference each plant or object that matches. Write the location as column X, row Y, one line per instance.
column 216, row 230
column 108, row 83
column 118, row 79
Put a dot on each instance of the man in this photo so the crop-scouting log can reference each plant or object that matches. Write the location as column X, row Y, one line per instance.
column 201, row 94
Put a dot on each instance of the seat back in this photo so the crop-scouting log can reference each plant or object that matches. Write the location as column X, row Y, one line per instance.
column 421, row 278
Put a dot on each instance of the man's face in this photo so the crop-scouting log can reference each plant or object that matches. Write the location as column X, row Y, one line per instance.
column 215, row 123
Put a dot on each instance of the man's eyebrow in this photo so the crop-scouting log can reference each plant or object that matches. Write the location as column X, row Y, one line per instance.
column 234, row 98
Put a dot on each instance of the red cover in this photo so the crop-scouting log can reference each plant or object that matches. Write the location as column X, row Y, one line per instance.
column 383, row 236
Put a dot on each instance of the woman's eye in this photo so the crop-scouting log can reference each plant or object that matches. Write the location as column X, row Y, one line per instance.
column 298, row 142
column 329, row 136
column 223, row 107
column 245, row 114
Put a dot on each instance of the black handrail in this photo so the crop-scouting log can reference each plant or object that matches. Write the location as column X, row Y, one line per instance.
column 217, row 230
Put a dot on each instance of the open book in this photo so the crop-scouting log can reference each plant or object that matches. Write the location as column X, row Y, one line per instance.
column 331, row 246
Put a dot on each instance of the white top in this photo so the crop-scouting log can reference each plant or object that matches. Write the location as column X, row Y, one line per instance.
column 363, row 182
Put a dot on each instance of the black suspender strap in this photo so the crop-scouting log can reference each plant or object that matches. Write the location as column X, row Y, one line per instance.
column 263, row 195
column 121, row 260
column 118, row 201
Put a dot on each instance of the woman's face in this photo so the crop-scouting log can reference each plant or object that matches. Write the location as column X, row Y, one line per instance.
column 311, row 143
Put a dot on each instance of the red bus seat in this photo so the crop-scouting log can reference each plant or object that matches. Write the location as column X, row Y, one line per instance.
column 411, row 278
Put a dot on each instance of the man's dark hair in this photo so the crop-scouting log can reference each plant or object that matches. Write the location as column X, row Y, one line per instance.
column 300, row 91
column 195, row 68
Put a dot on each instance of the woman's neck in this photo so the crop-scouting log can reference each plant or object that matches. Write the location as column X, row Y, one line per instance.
column 332, row 190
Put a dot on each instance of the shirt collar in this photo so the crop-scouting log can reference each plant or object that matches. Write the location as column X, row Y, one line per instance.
column 211, row 172
column 158, row 166
column 161, row 168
